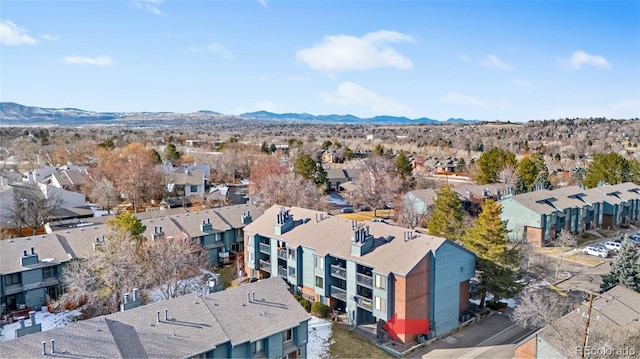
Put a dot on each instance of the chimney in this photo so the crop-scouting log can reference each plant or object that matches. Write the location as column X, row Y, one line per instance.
column 253, row 296
column 24, row 253
column 208, row 221
column 44, row 348
column 126, row 298
column 166, row 314
column 32, row 317
column 158, row 316
column 21, row 320
column 53, row 346
column 33, row 251
column 135, row 294
column 248, row 297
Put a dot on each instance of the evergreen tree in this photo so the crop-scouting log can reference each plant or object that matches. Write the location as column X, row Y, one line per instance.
column 379, row 150
column 446, row 219
column 608, row 167
column 487, row 238
column 170, row 153
column 492, row 162
column 305, row 166
column 128, row 226
column 542, row 181
column 625, row 269
column 403, row 166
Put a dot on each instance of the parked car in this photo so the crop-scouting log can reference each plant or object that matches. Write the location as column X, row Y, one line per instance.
column 612, row 246
column 597, row 251
column 378, row 220
column 347, row 210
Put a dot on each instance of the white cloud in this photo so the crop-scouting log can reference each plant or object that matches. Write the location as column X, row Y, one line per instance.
column 266, row 105
column 98, row 60
column 364, row 101
column 214, row 48
column 50, row 37
column 580, row 57
column 522, row 83
column 493, row 61
column 263, row 3
column 456, row 98
column 465, row 57
column 147, row 5
column 11, row 34
column 343, row 52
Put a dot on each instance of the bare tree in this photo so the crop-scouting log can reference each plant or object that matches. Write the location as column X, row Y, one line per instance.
column 377, row 184
column 540, row 308
column 175, row 274
column 31, row 207
column 102, row 191
column 508, row 175
column 565, row 239
column 413, row 213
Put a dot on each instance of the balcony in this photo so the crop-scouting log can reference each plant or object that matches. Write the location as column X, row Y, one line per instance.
column 282, row 253
column 364, row 280
column 265, row 266
column 282, row 272
column 363, row 302
column 339, row 293
column 265, row 248
column 338, row 272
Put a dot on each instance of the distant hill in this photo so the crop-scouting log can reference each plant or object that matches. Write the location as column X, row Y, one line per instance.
column 13, row 113
column 337, row 118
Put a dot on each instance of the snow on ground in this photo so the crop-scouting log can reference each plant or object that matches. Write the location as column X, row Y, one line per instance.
column 46, row 319
column 511, row 302
column 319, row 333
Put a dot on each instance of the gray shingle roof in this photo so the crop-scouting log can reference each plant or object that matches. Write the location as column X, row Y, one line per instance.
column 332, row 235
column 195, row 325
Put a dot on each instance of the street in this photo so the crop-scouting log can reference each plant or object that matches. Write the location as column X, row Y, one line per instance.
column 492, row 337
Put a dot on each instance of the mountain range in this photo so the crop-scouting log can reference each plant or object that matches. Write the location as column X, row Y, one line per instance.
column 16, row 114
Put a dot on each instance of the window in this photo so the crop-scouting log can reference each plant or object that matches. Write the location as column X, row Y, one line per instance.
column 287, row 335
column 251, row 259
column 13, row 279
column 194, row 189
column 292, row 272
column 250, row 241
column 319, row 262
column 292, row 253
column 380, row 281
column 380, row 304
column 256, row 347
column 319, row 282
column 49, row 272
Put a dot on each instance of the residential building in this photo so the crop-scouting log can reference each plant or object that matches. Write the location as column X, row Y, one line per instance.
column 31, row 267
column 539, row 216
column 340, row 176
column 612, row 314
column 376, row 273
column 257, row 320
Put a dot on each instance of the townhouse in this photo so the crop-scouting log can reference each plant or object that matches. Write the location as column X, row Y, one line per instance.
column 375, row 272
column 614, row 319
column 31, row 267
column 539, row 216
column 257, row 320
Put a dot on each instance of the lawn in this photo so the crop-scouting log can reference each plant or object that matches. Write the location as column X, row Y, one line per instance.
column 227, row 275
column 348, row 344
column 368, row 215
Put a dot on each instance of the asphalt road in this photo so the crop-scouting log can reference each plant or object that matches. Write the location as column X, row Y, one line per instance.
column 492, row 337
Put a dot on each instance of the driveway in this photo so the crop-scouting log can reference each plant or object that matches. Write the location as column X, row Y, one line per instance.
column 492, row 337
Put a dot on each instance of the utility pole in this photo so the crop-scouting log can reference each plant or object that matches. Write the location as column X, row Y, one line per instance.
column 586, row 327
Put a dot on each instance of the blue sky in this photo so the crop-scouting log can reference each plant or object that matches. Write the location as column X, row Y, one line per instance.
column 486, row 60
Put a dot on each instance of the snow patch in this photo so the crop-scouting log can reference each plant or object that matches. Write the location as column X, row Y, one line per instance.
column 46, row 319
column 319, row 333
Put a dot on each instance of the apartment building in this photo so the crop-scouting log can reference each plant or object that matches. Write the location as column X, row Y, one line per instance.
column 257, row 320
column 539, row 216
column 31, row 267
column 375, row 272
